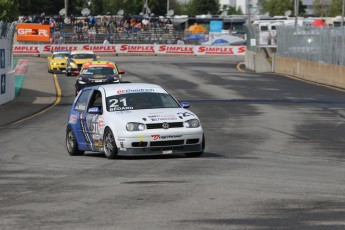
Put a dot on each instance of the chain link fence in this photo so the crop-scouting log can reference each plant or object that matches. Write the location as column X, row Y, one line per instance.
column 312, row 44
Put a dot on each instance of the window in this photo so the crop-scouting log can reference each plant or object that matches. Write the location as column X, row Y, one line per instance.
column 82, row 101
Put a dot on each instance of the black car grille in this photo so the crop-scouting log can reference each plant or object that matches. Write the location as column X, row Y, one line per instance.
column 160, row 125
column 166, row 143
column 192, row 141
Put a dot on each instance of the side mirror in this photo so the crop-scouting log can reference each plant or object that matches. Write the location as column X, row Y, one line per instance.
column 94, row 110
column 121, row 71
column 185, row 104
column 49, row 57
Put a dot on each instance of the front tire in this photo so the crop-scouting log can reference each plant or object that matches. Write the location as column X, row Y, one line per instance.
column 197, row 154
column 72, row 144
column 109, row 144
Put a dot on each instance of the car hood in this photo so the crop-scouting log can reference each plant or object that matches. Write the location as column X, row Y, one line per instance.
column 60, row 60
column 156, row 115
column 82, row 61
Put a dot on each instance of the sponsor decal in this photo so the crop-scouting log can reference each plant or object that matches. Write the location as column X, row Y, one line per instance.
column 118, row 108
column 2, row 58
column 164, row 117
column 33, row 32
column 177, row 49
column 73, row 119
column 49, row 48
column 221, row 50
column 3, row 84
column 138, row 48
column 185, row 114
column 120, row 91
column 159, row 137
column 100, row 48
column 26, row 49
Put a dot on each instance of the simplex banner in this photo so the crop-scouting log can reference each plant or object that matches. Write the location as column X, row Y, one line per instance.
column 132, row 49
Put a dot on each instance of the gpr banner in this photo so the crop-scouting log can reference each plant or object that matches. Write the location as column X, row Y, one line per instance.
column 33, row 32
column 134, row 49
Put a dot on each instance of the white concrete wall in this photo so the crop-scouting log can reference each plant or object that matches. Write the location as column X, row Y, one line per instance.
column 7, row 87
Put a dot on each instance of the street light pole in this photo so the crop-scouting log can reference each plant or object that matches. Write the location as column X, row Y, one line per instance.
column 296, row 11
column 168, row 7
column 342, row 14
column 66, row 6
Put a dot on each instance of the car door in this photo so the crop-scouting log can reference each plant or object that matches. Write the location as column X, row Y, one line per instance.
column 94, row 121
column 79, row 112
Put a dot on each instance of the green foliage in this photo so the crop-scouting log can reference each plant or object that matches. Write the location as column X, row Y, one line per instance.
column 277, row 7
column 335, row 7
column 9, row 10
column 197, row 7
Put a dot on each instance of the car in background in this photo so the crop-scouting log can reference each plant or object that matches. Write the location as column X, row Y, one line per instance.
column 57, row 61
column 77, row 59
column 96, row 73
column 132, row 119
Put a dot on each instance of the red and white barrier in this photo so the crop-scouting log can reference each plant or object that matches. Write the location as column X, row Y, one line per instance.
column 133, row 49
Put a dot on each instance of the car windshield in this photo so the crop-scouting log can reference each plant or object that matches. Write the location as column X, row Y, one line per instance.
column 99, row 70
column 136, row 101
column 60, row 55
column 82, row 56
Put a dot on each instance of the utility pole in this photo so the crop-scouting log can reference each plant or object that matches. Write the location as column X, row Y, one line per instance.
column 296, row 3
column 342, row 14
column 66, row 6
column 168, row 7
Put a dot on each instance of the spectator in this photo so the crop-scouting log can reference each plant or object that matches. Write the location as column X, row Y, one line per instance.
column 106, row 41
column 180, row 42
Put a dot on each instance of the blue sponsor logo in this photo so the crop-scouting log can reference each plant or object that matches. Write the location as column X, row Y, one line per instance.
column 216, row 26
column 2, row 58
column 3, row 84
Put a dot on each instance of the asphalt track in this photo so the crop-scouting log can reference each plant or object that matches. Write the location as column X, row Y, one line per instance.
column 274, row 156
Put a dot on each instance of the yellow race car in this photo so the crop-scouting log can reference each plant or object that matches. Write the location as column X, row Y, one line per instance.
column 57, row 61
column 77, row 59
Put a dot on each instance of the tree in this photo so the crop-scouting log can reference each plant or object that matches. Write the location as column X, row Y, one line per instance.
column 277, row 7
column 9, row 10
column 335, row 7
column 204, row 7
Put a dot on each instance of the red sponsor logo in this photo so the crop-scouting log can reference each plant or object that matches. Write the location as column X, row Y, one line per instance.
column 176, row 49
column 137, row 48
column 26, row 49
column 120, row 91
column 155, row 136
column 100, row 48
column 49, row 48
column 221, row 50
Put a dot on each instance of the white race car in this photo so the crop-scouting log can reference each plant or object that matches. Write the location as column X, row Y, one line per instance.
column 132, row 119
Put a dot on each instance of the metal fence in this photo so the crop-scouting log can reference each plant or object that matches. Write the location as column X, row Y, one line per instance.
column 312, row 44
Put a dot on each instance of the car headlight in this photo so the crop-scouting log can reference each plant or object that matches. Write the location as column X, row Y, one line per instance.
column 133, row 126
column 193, row 123
column 81, row 80
column 55, row 63
column 72, row 64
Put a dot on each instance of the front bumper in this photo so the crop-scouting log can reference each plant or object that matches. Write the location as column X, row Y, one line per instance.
column 173, row 143
column 167, row 150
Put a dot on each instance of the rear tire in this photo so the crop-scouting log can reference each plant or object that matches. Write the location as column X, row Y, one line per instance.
column 109, row 144
column 197, row 154
column 72, row 144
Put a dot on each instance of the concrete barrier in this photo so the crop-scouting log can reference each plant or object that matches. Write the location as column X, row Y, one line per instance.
column 257, row 62
column 332, row 75
column 7, row 89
